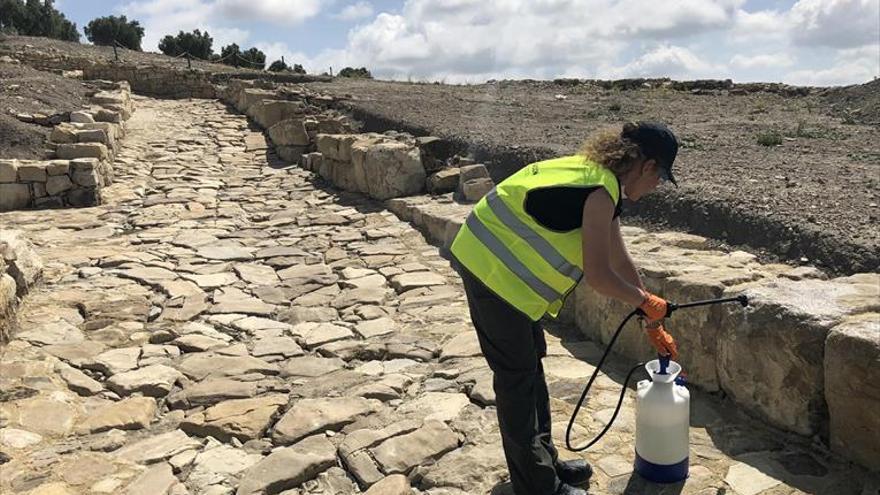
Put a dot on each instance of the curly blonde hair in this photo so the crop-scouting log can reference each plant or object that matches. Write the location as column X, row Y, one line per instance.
column 611, row 150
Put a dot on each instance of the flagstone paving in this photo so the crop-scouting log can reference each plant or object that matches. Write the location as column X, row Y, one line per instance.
column 225, row 324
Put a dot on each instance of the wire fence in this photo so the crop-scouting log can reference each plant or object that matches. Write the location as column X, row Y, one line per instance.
column 190, row 57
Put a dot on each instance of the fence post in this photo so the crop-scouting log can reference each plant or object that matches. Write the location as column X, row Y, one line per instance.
column 188, row 61
column 115, row 52
column 331, row 71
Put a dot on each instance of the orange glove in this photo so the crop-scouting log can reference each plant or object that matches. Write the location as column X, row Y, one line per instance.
column 654, row 307
column 661, row 340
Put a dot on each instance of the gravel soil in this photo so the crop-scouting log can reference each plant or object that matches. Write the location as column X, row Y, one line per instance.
column 812, row 198
column 30, row 91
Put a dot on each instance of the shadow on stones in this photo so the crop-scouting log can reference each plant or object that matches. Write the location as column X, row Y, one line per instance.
column 636, row 485
column 504, row 488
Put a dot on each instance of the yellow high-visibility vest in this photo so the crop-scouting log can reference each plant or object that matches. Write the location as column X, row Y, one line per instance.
column 528, row 265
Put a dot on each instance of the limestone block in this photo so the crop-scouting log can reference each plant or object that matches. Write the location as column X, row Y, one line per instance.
column 63, row 133
column 84, row 196
column 21, row 260
column 393, row 169
column 469, row 172
column 475, row 189
column 289, row 132
column 359, row 150
column 14, row 196
column 114, row 131
column 770, row 356
column 340, row 173
column 269, row 112
column 58, row 167
column 32, row 172
column 332, row 125
column 250, row 96
column 82, row 150
column 291, row 154
column 84, row 165
column 8, row 171
column 49, row 202
column 92, row 136
column 58, row 184
column 88, row 178
column 312, row 161
column 38, row 189
column 7, row 304
column 119, row 101
column 695, row 330
column 852, row 388
column 443, row 181
column 105, row 115
column 335, row 146
column 81, row 117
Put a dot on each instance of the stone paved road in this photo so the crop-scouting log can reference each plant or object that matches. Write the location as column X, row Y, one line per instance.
column 223, row 325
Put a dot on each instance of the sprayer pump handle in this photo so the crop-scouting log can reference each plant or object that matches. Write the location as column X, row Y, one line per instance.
column 664, row 363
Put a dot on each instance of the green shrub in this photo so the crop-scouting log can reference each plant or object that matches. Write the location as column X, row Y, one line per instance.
column 196, row 43
column 281, row 66
column 361, row 72
column 36, row 18
column 107, row 30
column 770, row 138
column 251, row 58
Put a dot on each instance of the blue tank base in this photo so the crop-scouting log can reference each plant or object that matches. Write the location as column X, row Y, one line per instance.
column 661, row 473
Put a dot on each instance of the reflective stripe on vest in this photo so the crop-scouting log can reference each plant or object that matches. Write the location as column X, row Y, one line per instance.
column 528, row 265
column 538, row 243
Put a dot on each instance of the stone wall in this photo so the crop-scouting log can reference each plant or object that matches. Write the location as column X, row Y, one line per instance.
column 20, row 268
column 389, row 165
column 166, row 82
column 803, row 356
column 83, row 150
column 52, row 183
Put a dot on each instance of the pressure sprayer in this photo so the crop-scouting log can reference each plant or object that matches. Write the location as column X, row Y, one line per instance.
column 662, row 409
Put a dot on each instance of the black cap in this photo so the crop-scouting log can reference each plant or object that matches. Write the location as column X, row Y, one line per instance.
column 656, row 142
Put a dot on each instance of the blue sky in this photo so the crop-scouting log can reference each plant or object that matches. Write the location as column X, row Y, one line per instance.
column 814, row 42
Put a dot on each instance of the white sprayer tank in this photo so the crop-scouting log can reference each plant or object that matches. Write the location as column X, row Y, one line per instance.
column 662, row 425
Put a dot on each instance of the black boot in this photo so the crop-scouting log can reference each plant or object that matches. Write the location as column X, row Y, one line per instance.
column 576, row 472
column 565, row 489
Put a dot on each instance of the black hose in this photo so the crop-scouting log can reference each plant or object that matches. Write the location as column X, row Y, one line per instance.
column 577, row 408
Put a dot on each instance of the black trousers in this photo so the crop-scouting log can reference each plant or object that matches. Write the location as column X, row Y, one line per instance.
column 514, row 345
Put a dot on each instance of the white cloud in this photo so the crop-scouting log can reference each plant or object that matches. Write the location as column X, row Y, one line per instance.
column 282, row 12
column 669, row 18
column 770, row 61
column 851, row 66
column 474, row 40
column 274, row 51
column 218, row 17
column 355, row 11
column 668, row 61
column 836, row 23
column 761, row 25
column 845, row 73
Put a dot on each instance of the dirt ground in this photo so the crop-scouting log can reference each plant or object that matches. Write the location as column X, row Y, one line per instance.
column 811, row 198
column 30, row 91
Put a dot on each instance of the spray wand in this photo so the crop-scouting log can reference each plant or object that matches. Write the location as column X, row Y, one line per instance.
column 671, row 307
